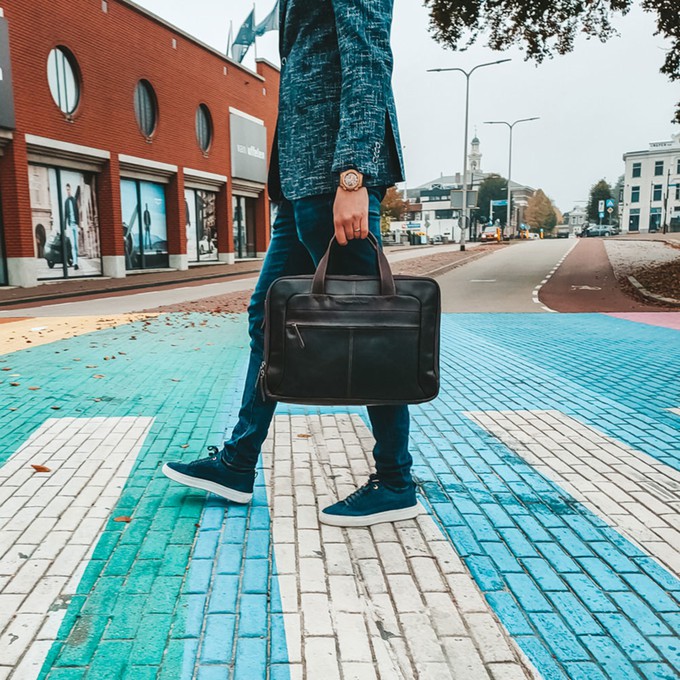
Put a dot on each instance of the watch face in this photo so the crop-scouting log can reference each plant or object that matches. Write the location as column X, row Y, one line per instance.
column 351, row 180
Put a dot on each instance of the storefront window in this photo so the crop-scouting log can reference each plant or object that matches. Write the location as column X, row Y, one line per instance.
column 201, row 224
column 144, row 224
column 65, row 222
column 244, row 227
column 3, row 262
column 654, row 219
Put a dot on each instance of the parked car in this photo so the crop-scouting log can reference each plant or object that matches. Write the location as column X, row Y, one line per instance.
column 490, row 235
column 597, row 230
column 53, row 250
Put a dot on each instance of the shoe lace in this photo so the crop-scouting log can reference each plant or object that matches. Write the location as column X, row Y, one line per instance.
column 214, row 452
column 372, row 484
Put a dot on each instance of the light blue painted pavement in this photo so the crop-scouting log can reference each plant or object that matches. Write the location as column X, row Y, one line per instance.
column 578, row 597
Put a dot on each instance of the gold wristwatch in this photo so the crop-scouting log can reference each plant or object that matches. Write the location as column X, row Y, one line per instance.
column 351, row 180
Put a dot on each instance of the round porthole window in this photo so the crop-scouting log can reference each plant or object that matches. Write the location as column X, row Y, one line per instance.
column 204, row 128
column 146, row 108
column 63, row 77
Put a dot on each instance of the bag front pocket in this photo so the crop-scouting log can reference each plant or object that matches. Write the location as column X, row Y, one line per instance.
column 357, row 362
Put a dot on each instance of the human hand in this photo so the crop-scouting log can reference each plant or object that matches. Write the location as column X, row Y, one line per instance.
column 350, row 215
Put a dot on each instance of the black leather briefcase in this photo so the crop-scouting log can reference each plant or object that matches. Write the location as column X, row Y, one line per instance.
column 351, row 340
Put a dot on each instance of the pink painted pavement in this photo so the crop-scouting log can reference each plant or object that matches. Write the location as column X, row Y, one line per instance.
column 665, row 319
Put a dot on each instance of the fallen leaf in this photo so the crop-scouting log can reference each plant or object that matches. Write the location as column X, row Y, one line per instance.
column 184, row 446
column 15, row 384
column 305, row 436
column 91, row 366
column 41, row 468
column 123, row 518
column 175, row 380
column 55, row 408
column 98, row 375
column 12, row 408
column 6, row 368
column 33, row 388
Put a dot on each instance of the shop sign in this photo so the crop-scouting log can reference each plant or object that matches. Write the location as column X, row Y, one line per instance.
column 248, row 149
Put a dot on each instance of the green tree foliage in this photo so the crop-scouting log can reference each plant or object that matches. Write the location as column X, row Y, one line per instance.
column 543, row 28
column 600, row 191
column 540, row 213
column 493, row 188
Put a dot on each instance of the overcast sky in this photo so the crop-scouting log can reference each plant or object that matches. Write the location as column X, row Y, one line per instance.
column 594, row 104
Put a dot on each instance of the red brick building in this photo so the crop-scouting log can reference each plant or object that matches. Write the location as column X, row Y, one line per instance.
column 125, row 144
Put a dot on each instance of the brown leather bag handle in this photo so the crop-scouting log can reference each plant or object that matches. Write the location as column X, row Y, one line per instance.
column 387, row 286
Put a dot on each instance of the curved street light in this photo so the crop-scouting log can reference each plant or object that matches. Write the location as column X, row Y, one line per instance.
column 467, row 74
column 511, row 126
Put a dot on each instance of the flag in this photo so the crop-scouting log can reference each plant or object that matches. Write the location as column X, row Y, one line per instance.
column 244, row 39
column 271, row 23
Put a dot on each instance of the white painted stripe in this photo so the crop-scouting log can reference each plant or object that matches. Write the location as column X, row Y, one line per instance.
column 393, row 601
column 51, row 522
column 633, row 492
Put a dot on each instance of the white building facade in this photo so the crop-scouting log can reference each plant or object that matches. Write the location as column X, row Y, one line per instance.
column 651, row 192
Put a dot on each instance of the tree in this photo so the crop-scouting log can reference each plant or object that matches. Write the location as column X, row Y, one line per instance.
column 493, row 188
column 393, row 205
column 540, row 213
column 600, row 191
column 547, row 27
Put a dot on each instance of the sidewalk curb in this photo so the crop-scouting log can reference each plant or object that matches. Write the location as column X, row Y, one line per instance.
column 37, row 300
column 653, row 296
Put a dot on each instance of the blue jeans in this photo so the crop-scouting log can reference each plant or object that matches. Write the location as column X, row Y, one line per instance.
column 301, row 233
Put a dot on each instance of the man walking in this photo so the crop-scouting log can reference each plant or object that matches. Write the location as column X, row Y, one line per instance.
column 335, row 151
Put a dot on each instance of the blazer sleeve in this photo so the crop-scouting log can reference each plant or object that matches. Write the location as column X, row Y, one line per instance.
column 363, row 29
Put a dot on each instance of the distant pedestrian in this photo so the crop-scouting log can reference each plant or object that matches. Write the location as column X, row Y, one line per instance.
column 335, row 152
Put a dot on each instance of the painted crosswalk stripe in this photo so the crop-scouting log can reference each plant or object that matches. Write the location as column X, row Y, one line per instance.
column 50, row 523
column 633, row 492
column 390, row 601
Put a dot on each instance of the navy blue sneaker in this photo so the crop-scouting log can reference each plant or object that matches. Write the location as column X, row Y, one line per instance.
column 371, row 504
column 212, row 474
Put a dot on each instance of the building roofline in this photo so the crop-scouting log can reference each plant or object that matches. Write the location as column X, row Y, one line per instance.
column 187, row 36
column 262, row 60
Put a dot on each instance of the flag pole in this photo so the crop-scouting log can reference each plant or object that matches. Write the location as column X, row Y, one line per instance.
column 255, row 38
column 230, row 37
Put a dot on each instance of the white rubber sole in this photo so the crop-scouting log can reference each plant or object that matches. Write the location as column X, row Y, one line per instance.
column 205, row 485
column 369, row 520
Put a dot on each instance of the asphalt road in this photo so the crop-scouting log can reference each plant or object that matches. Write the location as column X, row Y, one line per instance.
column 505, row 280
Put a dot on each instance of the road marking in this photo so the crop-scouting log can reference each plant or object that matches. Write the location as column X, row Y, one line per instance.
column 537, row 289
column 586, row 288
column 393, row 601
column 631, row 491
column 51, row 522
column 483, row 280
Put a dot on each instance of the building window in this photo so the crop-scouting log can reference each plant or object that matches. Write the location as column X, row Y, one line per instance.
column 658, row 169
column 204, row 129
column 658, row 192
column 64, row 79
column 637, row 169
column 146, row 108
column 677, row 192
column 677, row 169
column 635, row 194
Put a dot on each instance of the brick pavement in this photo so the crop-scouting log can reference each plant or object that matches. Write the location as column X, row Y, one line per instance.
column 547, row 546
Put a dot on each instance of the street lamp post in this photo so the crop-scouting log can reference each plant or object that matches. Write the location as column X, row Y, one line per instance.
column 467, row 74
column 511, row 127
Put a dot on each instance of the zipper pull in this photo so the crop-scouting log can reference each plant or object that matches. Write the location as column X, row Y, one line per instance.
column 299, row 336
column 260, row 381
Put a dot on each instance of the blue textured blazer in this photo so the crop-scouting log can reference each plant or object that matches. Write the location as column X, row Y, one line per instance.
column 336, row 105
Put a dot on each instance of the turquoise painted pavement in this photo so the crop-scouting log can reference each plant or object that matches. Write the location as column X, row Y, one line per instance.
column 188, row 588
